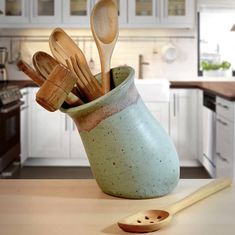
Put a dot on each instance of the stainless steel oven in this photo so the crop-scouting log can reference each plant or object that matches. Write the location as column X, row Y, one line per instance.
column 9, row 130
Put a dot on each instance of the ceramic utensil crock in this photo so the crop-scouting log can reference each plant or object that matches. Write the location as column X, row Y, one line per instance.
column 130, row 154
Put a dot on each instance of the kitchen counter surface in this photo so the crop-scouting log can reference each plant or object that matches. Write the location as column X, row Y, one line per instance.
column 72, row 207
column 223, row 89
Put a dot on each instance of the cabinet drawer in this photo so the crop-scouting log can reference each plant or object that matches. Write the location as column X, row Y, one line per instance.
column 225, row 108
column 223, row 168
column 224, row 138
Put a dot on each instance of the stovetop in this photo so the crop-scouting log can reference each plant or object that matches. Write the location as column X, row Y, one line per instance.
column 8, row 93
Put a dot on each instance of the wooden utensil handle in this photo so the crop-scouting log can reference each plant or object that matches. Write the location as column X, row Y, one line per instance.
column 29, row 71
column 203, row 192
column 106, row 81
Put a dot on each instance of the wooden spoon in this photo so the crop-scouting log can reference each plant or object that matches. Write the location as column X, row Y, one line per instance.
column 104, row 27
column 44, row 63
column 152, row 220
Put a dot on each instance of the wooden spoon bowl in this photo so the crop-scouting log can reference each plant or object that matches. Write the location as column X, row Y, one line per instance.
column 44, row 63
column 152, row 220
column 104, row 27
column 146, row 221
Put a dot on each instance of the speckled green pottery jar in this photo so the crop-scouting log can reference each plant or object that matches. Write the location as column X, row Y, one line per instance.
column 130, row 154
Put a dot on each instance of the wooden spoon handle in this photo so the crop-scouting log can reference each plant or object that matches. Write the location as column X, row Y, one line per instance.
column 73, row 100
column 28, row 70
column 106, row 81
column 203, row 192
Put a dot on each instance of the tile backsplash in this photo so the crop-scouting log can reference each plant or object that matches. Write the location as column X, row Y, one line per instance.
column 130, row 45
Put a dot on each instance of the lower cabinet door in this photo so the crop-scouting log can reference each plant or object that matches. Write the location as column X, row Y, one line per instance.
column 184, row 124
column 224, row 147
column 48, row 132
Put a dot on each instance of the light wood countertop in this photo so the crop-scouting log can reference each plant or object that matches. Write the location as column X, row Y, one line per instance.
column 69, row 207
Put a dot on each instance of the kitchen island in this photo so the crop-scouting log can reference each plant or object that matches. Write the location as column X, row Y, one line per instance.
column 72, row 207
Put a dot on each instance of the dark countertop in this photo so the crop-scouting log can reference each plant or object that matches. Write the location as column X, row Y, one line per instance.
column 22, row 83
column 223, row 89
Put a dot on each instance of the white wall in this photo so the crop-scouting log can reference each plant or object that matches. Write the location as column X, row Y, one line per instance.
column 126, row 51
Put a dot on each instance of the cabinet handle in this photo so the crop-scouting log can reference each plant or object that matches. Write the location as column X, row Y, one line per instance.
column 25, row 93
column 1, row 12
column 174, row 105
column 223, row 105
column 23, row 108
column 222, row 122
column 66, row 123
column 221, row 157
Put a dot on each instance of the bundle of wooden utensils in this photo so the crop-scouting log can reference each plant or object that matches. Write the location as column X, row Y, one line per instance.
column 65, row 78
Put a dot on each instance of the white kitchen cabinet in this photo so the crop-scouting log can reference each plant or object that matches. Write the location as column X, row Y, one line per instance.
column 14, row 12
column 122, row 11
column 161, row 13
column 144, row 12
column 184, row 124
column 178, row 13
column 51, row 138
column 48, row 12
column 77, row 12
column 225, row 138
column 48, row 132
column 23, row 125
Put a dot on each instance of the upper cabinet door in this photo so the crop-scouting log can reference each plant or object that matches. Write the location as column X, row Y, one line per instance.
column 143, row 11
column 77, row 11
column 46, row 11
column 178, row 12
column 122, row 11
column 13, row 11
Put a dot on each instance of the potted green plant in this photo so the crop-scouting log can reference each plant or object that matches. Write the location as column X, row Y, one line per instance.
column 215, row 69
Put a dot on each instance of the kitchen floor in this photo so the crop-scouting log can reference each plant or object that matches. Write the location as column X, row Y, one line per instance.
column 85, row 173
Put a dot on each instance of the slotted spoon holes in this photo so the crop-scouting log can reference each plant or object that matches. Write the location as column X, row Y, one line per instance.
column 149, row 219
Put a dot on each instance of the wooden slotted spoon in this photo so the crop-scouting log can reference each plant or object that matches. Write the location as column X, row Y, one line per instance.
column 104, row 27
column 152, row 220
column 63, row 47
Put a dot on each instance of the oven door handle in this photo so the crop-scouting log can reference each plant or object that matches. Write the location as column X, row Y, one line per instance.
column 11, row 108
